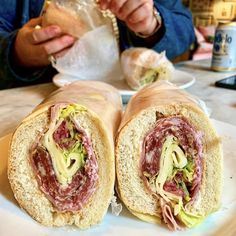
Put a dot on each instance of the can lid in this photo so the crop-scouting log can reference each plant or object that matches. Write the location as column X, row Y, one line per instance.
column 227, row 23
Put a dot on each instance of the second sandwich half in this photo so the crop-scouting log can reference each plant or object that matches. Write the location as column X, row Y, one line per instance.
column 168, row 158
column 61, row 161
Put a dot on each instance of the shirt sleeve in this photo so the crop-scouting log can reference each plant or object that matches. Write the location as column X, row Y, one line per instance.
column 10, row 75
column 175, row 36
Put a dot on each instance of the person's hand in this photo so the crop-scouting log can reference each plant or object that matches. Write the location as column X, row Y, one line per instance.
column 33, row 46
column 137, row 14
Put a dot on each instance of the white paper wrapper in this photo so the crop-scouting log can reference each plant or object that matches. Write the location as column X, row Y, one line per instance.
column 95, row 56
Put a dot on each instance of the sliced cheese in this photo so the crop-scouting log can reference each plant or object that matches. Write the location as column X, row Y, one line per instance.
column 173, row 156
column 62, row 166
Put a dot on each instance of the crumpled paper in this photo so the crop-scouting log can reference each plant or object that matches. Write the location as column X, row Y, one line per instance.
column 95, row 56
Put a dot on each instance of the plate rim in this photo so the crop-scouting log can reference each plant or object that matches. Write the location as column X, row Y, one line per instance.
column 126, row 92
column 204, row 229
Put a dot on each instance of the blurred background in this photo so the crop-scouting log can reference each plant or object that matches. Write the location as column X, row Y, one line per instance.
column 206, row 15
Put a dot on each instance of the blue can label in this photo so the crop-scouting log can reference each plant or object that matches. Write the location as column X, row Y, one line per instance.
column 224, row 50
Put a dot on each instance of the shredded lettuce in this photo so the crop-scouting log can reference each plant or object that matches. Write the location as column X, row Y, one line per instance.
column 188, row 171
column 182, row 185
column 78, row 152
column 172, row 158
column 189, row 219
column 150, row 76
column 70, row 110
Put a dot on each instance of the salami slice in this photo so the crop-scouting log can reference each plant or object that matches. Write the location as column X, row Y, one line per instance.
column 77, row 193
column 189, row 140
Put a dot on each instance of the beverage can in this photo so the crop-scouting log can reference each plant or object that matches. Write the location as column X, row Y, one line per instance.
column 224, row 49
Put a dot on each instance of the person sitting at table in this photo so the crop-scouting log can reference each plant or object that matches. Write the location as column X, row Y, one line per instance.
column 24, row 50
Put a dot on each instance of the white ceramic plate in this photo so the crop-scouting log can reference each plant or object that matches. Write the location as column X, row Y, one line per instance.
column 180, row 78
column 14, row 221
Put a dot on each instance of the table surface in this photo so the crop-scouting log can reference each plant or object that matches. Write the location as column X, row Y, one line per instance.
column 17, row 103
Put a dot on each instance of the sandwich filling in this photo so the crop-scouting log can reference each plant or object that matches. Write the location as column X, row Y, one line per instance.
column 171, row 168
column 151, row 75
column 64, row 161
column 148, row 76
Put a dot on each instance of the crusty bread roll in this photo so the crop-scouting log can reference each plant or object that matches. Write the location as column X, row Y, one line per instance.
column 168, row 158
column 61, row 160
column 74, row 17
column 143, row 66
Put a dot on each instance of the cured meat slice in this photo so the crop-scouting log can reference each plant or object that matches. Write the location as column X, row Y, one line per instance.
column 188, row 139
column 181, row 182
column 76, row 194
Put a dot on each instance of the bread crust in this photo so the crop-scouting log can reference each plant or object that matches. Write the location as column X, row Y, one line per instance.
column 139, row 118
column 100, row 128
column 74, row 18
column 68, row 21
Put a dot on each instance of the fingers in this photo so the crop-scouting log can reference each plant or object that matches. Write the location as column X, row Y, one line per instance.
column 36, row 35
column 40, row 53
column 115, row 6
column 61, row 53
column 137, row 14
column 45, row 34
column 42, row 35
column 104, row 4
column 131, row 10
column 141, row 26
column 128, row 8
column 58, row 44
column 33, row 46
column 140, row 14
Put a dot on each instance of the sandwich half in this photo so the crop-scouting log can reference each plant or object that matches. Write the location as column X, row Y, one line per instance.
column 143, row 66
column 61, row 164
column 168, row 158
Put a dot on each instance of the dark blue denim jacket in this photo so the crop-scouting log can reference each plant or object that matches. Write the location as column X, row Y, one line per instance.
column 175, row 36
